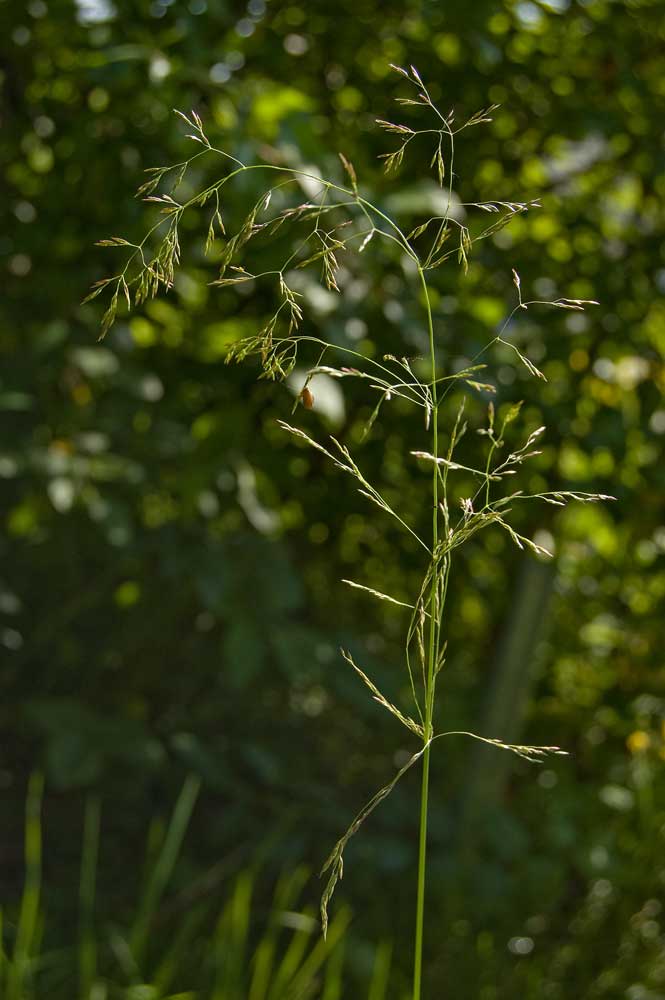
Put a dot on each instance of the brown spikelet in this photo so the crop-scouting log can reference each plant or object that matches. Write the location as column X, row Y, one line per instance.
column 307, row 398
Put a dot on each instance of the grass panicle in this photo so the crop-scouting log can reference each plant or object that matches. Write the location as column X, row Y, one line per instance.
column 336, row 221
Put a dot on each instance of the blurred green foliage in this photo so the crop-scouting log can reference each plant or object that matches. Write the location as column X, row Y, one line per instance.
column 180, row 946
column 169, row 565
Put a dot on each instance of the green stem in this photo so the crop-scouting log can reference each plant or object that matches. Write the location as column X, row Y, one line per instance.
column 431, row 662
column 422, row 864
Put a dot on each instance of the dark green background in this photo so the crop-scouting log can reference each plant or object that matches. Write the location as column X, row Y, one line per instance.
column 170, row 563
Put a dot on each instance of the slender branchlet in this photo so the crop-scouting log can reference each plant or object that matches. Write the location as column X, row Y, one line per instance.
column 336, row 220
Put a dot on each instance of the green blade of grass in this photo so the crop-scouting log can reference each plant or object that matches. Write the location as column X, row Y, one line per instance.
column 305, row 974
column 163, row 868
column 381, row 972
column 286, row 894
column 3, row 957
column 332, row 985
column 87, row 949
column 231, row 940
column 18, row 978
column 172, row 961
column 293, row 956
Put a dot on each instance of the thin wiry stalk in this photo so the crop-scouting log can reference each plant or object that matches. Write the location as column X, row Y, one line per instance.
column 431, row 662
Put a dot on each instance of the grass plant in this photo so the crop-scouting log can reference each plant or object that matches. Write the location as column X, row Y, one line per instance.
column 337, row 218
column 212, row 952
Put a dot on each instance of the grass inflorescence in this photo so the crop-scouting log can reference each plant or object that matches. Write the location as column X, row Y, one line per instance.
column 338, row 219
